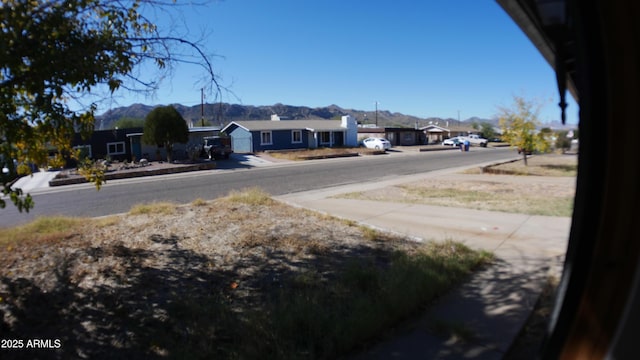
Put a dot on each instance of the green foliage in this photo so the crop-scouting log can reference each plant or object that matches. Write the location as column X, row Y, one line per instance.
column 129, row 122
column 93, row 171
column 487, row 130
column 164, row 126
column 57, row 52
column 563, row 142
column 519, row 127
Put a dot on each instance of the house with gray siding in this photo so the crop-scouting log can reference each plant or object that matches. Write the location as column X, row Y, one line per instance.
column 263, row 135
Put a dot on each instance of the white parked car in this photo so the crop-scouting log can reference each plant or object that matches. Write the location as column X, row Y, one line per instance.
column 376, row 143
column 454, row 141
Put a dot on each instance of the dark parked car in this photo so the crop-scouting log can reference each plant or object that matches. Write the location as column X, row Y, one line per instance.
column 217, row 147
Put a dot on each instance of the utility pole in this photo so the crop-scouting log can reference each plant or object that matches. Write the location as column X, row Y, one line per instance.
column 202, row 106
column 376, row 102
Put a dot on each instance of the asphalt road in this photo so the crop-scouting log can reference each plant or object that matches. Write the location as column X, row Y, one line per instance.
column 118, row 196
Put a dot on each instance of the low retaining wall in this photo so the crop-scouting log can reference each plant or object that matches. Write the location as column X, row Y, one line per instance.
column 79, row 179
column 438, row 148
column 489, row 169
column 328, row 156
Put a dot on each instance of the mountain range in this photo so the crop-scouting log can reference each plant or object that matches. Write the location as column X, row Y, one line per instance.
column 220, row 114
column 223, row 113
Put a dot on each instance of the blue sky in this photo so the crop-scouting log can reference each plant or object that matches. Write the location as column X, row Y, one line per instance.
column 432, row 58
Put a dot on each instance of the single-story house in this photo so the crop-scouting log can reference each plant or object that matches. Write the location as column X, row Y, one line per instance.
column 180, row 151
column 436, row 134
column 397, row 136
column 104, row 144
column 263, row 135
column 126, row 144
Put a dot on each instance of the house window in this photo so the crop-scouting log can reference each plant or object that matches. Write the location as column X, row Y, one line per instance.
column 296, row 136
column 85, row 151
column 265, row 138
column 115, row 148
column 325, row 137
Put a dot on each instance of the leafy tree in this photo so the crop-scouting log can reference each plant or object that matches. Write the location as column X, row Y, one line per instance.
column 519, row 127
column 164, row 126
column 58, row 56
column 563, row 141
column 549, row 136
column 487, row 130
column 129, row 122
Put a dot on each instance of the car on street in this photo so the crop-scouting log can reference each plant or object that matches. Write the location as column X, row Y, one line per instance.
column 376, row 143
column 454, row 141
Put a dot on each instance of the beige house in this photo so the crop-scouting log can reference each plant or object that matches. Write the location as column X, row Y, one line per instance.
column 397, row 136
column 436, row 134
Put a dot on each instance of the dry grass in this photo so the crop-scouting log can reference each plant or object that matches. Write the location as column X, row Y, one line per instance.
column 238, row 277
column 164, row 208
column 541, row 165
column 105, row 221
column 250, row 196
column 41, row 230
column 199, row 202
column 536, row 195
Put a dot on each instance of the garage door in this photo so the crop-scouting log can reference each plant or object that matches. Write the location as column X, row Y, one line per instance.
column 241, row 144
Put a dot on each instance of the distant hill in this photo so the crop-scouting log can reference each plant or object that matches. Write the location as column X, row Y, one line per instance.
column 222, row 114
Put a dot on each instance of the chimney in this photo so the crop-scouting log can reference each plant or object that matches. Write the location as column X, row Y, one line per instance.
column 351, row 135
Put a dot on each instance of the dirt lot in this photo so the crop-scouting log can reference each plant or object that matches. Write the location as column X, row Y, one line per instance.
column 131, row 283
column 548, row 189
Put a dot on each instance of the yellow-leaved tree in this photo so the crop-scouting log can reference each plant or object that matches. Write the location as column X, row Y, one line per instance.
column 58, row 57
column 519, row 127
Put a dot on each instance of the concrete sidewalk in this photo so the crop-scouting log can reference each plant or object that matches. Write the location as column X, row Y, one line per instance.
column 495, row 304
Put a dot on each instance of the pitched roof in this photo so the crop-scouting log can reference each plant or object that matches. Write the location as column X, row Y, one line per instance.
column 434, row 128
column 312, row 125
